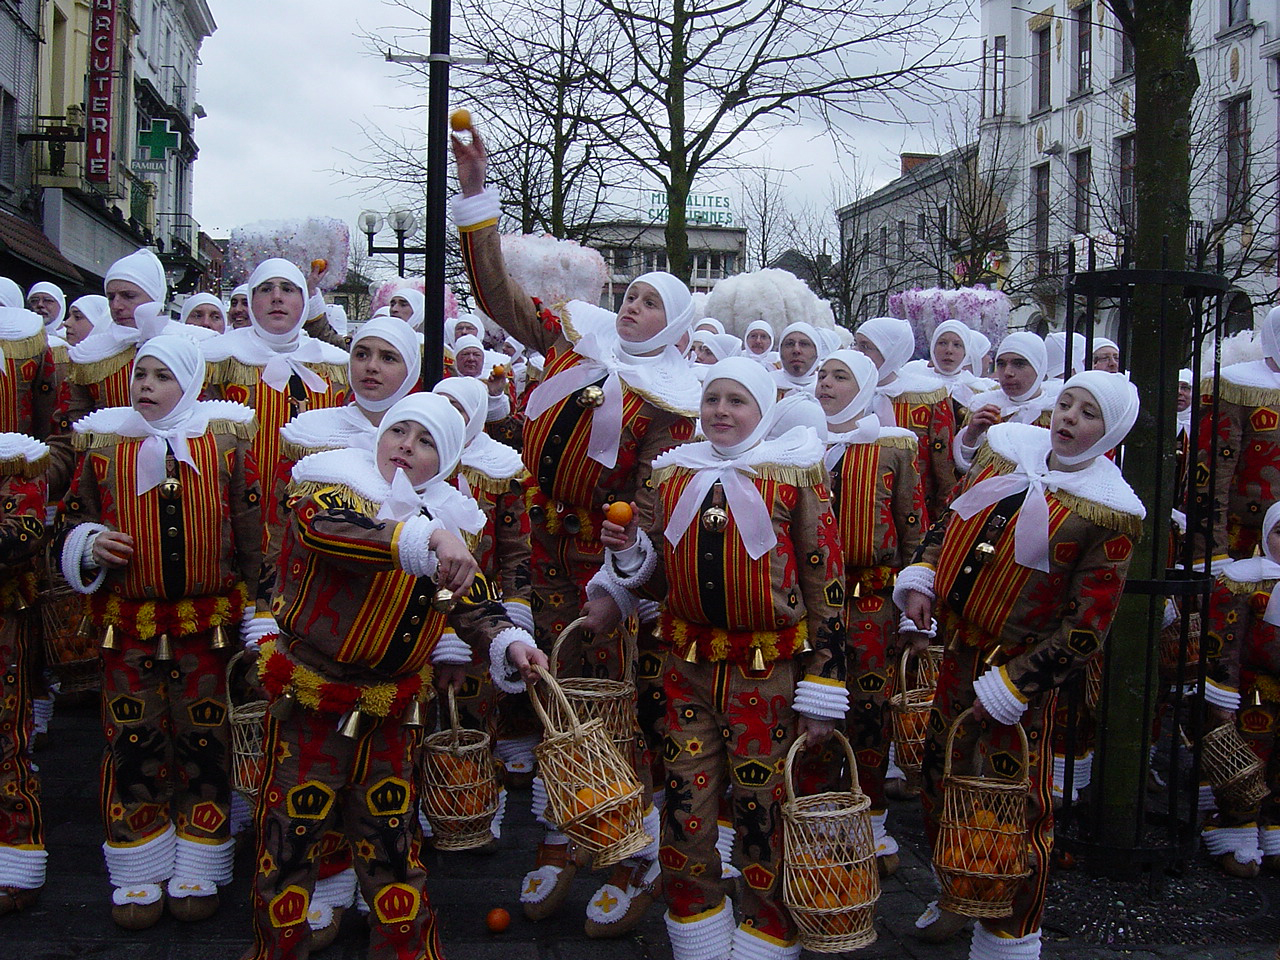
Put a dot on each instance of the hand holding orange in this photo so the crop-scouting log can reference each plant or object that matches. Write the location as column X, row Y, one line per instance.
column 619, row 513
column 460, row 119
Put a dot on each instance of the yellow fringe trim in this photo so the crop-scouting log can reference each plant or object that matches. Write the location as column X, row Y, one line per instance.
column 766, row 641
column 794, row 476
column 242, row 374
column 376, row 699
column 1247, row 589
column 22, row 467
column 493, row 485
column 222, row 427
column 1247, row 396
column 61, row 355
column 290, row 450
column 900, row 443
column 26, row 348
column 299, row 490
column 1129, row 524
column 84, row 374
column 923, row 396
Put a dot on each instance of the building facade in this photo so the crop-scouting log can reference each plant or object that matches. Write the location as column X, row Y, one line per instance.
column 633, row 247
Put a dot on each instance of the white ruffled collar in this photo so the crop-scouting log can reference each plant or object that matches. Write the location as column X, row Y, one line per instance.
column 1252, row 373
column 492, row 458
column 1025, row 412
column 247, row 347
column 109, row 340
column 111, row 420
column 18, row 445
column 908, row 381
column 799, row 447
column 330, row 427
column 19, row 324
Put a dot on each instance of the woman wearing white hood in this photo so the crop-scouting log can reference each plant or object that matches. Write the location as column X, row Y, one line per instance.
column 916, row 403
column 98, row 375
column 272, row 365
column 1024, row 396
column 617, row 392
column 1024, row 573
column 801, row 348
column 950, row 364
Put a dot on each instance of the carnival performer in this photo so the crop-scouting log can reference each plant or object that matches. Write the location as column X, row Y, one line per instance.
column 759, row 344
column 273, row 366
column 493, row 474
column 1243, row 687
column 409, row 305
column 24, row 462
column 373, row 536
column 1024, row 396
column 85, row 316
column 471, row 359
column 204, row 310
column 616, row 394
column 1055, row 352
column 48, row 300
column 950, row 364
column 1024, row 573
column 755, row 649
column 238, row 308
column 163, row 536
column 1246, row 477
column 916, row 403
column 877, row 497
column 1106, row 355
column 800, row 349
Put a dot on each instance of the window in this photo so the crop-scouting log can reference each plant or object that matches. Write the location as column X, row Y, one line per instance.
column 884, row 243
column 1125, row 161
column 654, row 260
column 1043, row 60
column 922, row 227
column 8, row 138
column 942, row 224
column 1081, row 175
column 1040, row 209
column 1084, row 48
column 993, row 76
column 1237, row 157
column 1237, row 11
column 1124, row 53
column 902, row 239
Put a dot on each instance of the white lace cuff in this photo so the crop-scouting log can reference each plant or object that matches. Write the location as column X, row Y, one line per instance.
column 504, row 674
column 999, row 697
column 633, row 567
column 917, row 577
column 316, row 307
column 499, row 407
column 473, row 211
column 519, row 613
column 964, row 454
column 414, row 546
column 77, row 549
column 821, row 699
column 449, row 649
column 1222, row 697
column 604, row 583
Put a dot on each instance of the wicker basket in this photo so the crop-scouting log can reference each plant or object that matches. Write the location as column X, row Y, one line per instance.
column 1233, row 770
column 1171, row 647
column 459, row 785
column 909, row 710
column 72, row 657
column 592, row 792
column 928, row 666
column 830, row 881
column 613, row 701
column 248, row 765
column 980, row 855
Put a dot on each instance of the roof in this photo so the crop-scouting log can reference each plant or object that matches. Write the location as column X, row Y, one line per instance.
column 24, row 241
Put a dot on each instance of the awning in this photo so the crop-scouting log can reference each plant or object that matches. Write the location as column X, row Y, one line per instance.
column 24, row 241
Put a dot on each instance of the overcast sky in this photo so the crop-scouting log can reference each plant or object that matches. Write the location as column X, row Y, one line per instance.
column 282, row 116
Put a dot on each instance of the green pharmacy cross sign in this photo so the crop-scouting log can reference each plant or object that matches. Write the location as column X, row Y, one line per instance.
column 158, row 138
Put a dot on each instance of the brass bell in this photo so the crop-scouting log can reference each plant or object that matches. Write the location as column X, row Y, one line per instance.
column 1256, row 700
column 691, row 652
column 806, row 647
column 993, row 656
column 443, row 601
column 714, row 520
column 350, row 725
column 591, row 396
column 757, row 660
column 857, row 590
column 984, row 552
column 572, row 524
column 164, row 652
column 109, row 639
column 282, row 707
column 412, row 714
column 19, row 604
column 537, row 514
column 85, row 629
column 171, row 488
column 219, row 641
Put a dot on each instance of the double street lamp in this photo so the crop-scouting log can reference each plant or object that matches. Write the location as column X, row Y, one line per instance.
column 403, row 222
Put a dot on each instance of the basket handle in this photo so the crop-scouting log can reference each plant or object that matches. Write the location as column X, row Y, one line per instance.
column 796, row 747
column 454, row 723
column 955, row 728
column 553, row 686
column 628, row 650
column 231, row 662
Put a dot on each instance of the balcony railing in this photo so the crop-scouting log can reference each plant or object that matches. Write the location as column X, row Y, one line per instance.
column 57, row 150
column 177, row 234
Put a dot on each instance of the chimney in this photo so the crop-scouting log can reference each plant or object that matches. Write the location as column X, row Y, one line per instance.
column 912, row 160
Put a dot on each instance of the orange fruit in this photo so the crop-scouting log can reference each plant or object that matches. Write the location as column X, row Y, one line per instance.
column 619, row 513
column 460, row 119
column 319, row 265
column 497, row 920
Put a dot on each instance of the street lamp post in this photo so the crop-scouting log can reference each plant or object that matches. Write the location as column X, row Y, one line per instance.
column 403, row 222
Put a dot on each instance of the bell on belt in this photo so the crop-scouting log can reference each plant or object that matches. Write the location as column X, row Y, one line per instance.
column 691, row 652
column 714, row 520
column 412, row 714
column 109, row 638
column 591, row 396
column 170, row 488
column 350, row 725
column 164, row 652
column 537, row 514
column 806, row 647
column 757, row 660
column 19, row 604
column 1256, row 700
column 572, row 524
column 984, row 552
column 443, row 601
column 993, row 656
column 219, row 641
column 85, row 630
column 282, row 707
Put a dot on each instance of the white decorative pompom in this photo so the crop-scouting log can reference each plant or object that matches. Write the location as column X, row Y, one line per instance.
column 383, row 297
column 298, row 241
column 555, row 271
column 778, row 297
